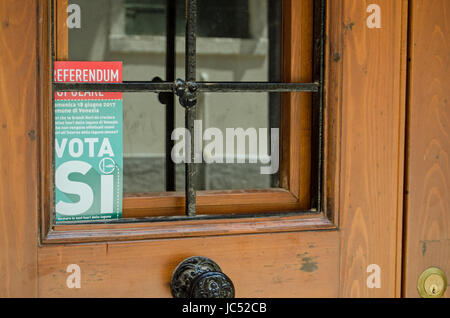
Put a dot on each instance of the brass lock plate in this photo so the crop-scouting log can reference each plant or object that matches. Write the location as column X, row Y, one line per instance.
column 432, row 283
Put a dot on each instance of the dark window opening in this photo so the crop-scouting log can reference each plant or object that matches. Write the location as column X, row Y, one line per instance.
column 217, row 18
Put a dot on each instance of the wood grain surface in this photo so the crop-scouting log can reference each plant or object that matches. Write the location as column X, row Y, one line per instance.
column 427, row 199
column 271, row 265
column 296, row 115
column 369, row 102
column 18, row 148
column 372, row 147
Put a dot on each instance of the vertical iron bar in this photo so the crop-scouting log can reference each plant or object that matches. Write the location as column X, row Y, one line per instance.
column 318, row 76
column 190, row 115
column 274, row 25
column 170, row 106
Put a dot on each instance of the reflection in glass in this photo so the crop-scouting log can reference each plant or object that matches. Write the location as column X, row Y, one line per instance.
column 218, row 18
column 238, row 40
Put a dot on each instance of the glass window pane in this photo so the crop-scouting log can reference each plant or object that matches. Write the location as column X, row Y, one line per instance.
column 143, row 143
column 241, row 45
column 249, row 117
column 219, row 18
column 102, row 37
column 235, row 42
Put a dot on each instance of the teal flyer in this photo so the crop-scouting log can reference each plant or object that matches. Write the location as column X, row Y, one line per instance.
column 88, row 145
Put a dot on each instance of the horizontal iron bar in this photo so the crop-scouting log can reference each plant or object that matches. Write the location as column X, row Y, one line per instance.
column 220, row 87
column 256, row 87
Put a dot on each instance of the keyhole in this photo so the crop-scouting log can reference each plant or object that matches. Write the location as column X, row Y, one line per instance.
column 433, row 289
column 432, row 283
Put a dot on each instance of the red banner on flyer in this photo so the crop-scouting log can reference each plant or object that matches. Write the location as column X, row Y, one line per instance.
column 87, row 72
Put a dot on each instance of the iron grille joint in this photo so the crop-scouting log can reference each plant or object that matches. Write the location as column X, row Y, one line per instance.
column 186, row 92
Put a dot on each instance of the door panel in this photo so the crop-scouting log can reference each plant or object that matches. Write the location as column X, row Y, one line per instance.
column 371, row 181
column 364, row 173
column 427, row 226
column 269, row 265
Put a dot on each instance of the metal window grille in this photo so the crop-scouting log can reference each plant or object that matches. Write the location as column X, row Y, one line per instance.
column 186, row 90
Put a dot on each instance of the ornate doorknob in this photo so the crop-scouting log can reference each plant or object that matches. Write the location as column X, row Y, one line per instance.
column 200, row 277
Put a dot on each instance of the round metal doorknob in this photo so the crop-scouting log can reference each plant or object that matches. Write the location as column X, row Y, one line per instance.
column 200, row 277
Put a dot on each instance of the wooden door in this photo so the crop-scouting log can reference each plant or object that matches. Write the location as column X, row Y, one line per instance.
column 427, row 183
column 330, row 253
